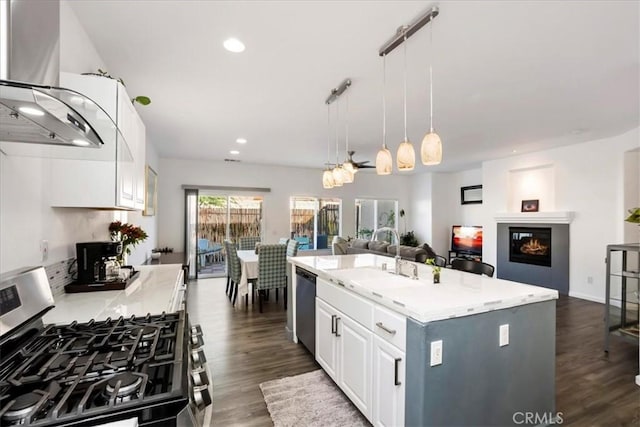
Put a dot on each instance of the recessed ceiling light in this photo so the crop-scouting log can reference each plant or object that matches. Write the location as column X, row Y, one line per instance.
column 234, row 152
column 31, row 111
column 233, row 45
column 514, row 151
column 80, row 142
column 241, row 141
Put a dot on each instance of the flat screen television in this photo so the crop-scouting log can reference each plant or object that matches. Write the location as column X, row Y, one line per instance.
column 466, row 240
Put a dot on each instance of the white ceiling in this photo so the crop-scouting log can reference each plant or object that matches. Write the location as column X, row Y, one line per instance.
column 515, row 75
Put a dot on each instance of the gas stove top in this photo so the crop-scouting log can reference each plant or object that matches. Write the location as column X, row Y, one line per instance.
column 147, row 367
column 83, row 370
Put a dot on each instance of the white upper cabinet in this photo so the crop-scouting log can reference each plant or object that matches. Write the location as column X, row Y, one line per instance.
column 116, row 180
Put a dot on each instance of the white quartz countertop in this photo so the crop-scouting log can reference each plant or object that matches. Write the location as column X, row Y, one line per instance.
column 152, row 292
column 458, row 293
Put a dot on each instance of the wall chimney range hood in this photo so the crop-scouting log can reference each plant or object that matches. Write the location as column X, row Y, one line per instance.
column 33, row 110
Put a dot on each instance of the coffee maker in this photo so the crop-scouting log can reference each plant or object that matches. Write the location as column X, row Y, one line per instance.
column 92, row 260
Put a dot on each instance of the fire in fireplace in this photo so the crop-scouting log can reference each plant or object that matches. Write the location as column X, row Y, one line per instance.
column 530, row 245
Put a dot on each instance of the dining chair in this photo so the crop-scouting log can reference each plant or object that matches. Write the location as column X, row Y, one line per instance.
column 236, row 270
column 471, row 266
column 248, row 242
column 292, row 248
column 272, row 271
column 227, row 259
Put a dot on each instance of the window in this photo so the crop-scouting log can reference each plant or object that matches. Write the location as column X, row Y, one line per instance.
column 314, row 222
column 372, row 214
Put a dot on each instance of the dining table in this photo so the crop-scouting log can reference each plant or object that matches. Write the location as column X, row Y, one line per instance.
column 249, row 271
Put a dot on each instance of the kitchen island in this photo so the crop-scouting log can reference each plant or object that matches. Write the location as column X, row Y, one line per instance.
column 158, row 288
column 471, row 350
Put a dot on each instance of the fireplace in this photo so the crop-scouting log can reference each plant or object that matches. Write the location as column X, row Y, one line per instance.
column 530, row 245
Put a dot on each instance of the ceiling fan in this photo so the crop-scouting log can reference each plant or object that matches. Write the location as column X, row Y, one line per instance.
column 358, row 165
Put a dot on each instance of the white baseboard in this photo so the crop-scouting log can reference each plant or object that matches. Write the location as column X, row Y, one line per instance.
column 586, row 296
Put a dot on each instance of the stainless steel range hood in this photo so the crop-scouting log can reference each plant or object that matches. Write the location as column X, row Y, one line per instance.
column 33, row 110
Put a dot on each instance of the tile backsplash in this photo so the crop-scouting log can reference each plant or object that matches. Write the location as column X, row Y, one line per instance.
column 60, row 274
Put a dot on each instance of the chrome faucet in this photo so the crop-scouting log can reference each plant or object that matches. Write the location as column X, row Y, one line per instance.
column 399, row 261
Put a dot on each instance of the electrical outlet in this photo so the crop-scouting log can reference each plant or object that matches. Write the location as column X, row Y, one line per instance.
column 436, row 353
column 44, row 249
column 590, row 280
column 504, row 335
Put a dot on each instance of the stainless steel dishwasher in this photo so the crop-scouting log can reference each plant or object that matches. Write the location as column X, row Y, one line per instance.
column 306, row 308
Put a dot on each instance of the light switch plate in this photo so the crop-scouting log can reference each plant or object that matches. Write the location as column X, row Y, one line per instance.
column 504, row 335
column 436, row 353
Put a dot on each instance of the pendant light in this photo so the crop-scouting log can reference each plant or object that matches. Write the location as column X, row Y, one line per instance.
column 406, row 156
column 384, row 163
column 327, row 175
column 431, row 150
column 347, row 166
column 338, row 178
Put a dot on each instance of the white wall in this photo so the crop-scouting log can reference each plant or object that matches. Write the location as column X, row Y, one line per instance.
column 436, row 201
column 284, row 183
column 631, row 193
column 588, row 179
column 77, row 53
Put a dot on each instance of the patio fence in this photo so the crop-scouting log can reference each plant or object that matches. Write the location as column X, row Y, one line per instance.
column 212, row 223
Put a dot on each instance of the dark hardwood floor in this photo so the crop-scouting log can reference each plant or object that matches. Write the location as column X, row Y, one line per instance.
column 245, row 348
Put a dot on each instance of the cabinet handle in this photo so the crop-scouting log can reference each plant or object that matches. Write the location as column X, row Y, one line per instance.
column 384, row 328
column 337, row 334
column 395, row 372
column 333, row 324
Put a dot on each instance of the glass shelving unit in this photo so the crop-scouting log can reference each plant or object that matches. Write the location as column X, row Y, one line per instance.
column 622, row 300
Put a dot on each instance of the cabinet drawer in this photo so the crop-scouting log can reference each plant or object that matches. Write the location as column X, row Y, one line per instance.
column 390, row 326
column 349, row 303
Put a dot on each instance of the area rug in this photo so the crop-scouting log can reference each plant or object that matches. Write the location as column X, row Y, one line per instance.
column 309, row 400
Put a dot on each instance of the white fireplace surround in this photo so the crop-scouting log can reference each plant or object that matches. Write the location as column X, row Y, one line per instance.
column 564, row 217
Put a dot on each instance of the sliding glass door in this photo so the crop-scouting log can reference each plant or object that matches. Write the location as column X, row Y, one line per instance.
column 314, row 222
column 211, row 219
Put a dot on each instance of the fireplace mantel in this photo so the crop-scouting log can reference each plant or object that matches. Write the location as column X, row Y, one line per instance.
column 535, row 217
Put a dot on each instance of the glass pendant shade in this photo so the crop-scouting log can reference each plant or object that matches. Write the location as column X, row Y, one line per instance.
column 348, row 166
column 327, row 179
column 347, row 173
column 384, row 162
column 431, row 151
column 337, row 176
column 406, row 156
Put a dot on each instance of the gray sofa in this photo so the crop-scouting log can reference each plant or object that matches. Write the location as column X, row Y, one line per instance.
column 361, row 246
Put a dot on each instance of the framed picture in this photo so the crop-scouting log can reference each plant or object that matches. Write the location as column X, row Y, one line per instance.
column 529, row 206
column 471, row 194
column 150, row 191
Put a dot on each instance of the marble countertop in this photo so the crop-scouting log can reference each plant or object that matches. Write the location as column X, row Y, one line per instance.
column 152, row 292
column 458, row 293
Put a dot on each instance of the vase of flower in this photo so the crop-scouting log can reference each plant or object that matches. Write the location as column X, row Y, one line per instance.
column 130, row 235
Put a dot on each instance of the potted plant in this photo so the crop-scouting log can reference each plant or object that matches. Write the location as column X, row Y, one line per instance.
column 129, row 234
column 141, row 99
column 634, row 216
column 435, row 269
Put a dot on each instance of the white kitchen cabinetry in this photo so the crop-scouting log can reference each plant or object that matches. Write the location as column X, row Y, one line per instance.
column 343, row 345
column 326, row 339
column 354, row 356
column 388, row 384
column 116, row 180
